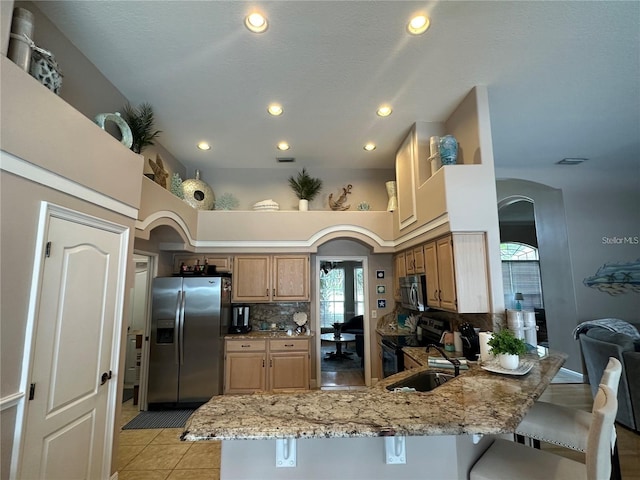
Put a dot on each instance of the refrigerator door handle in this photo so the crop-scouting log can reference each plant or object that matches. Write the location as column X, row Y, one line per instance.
column 177, row 326
column 184, row 300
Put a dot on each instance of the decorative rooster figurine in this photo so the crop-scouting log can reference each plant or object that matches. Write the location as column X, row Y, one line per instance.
column 339, row 204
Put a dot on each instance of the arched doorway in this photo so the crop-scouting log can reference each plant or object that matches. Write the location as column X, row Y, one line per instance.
column 555, row 261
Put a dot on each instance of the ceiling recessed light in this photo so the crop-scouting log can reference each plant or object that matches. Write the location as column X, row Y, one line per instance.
column 204, row 146
column 275, row 109
column 283, row 146
column 384, row 111
column 369, row 147
column 418, row 25
column 256, row 22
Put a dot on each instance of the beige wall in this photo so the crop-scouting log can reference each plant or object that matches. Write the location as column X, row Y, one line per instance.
column 254, row 185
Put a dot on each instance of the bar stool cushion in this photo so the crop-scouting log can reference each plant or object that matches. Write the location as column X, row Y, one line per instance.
column 506, row 460
column 556, row 424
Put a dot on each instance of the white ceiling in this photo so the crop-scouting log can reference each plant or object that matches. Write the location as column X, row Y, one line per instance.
column 563, row 77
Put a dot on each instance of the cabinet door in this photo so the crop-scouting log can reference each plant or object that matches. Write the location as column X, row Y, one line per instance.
column 251, row 278
column 244, row 372
column 399, row 270
column 290, row 278
column 222, row 264
column 410, row 363
column 289, row 371
column 418, row 260
column 446, row 274
column 431, row 270
column 409, row 262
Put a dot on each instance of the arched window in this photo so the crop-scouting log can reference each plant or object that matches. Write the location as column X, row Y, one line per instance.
column 521, row 274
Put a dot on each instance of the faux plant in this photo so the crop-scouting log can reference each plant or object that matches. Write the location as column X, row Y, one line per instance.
column 505, row 342
column 304, row 186
column 140, row 121
column 226, row 201
column 176, row 185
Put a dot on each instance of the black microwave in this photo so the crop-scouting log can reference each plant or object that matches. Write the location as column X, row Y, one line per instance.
column 413, row 292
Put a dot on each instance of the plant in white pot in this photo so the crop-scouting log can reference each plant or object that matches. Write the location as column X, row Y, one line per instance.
column 508, row 348
column 305, row 187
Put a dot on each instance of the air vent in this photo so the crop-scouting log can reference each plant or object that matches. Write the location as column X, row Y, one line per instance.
column 285, row 159
column 571, row 161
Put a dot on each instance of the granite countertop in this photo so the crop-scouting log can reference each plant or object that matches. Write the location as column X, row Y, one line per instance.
column 256, row 334
column 476, row 402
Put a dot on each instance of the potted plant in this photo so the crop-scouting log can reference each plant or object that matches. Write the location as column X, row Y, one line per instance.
column 140, row 121
column 305, row 187
column 508, row 348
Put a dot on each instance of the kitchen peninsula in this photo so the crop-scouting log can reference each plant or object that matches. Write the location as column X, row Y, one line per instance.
column 437, row 435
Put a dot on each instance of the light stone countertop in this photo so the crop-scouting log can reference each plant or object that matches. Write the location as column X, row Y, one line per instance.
column 257, row 334
column 476, row 402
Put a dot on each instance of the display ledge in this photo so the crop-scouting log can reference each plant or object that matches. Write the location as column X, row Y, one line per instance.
column 476, row 402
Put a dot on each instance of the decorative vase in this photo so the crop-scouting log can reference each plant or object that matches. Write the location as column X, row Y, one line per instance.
column 198, row 193
column 510, row 362
column 448, row 150
column 19, row 49
column 303, row 205
column 393, row 199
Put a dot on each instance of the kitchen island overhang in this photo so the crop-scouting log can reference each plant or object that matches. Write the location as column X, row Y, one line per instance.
column 443, row 425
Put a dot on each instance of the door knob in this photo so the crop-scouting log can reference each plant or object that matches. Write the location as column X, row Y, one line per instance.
column 105, row 376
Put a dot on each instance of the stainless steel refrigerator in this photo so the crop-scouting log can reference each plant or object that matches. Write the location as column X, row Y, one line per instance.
column 189, row 318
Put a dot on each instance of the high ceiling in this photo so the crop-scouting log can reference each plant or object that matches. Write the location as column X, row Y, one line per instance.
column 563, row 77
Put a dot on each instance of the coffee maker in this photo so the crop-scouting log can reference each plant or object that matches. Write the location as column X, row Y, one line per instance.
column 470, row 341
column 240, row 320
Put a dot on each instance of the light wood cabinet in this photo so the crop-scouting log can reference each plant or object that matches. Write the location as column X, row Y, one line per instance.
column 456, row 270
column 245, row 366
column 399, row 270
column 410, row 363
column 271, row 278
column 221, row 262
column 414, row 260
column 418, row 260
column 266, row 365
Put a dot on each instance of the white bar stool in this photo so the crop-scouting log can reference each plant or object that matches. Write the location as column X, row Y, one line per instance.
column 505, row 460
column 569, row 427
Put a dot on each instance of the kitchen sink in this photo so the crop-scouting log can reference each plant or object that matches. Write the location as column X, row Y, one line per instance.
column 422, row 382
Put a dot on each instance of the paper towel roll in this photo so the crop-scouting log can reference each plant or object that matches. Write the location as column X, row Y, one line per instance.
column 485, row 356
column 457, row 341
column 515, row 322
column 530, row 335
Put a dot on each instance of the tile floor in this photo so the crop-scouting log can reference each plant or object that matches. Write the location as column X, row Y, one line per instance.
column 159, row 454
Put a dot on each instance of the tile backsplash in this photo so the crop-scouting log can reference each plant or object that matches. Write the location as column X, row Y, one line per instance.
column 278, row 313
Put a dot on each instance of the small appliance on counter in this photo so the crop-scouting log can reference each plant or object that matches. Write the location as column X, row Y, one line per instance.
column 240, row 320
column 470, row 341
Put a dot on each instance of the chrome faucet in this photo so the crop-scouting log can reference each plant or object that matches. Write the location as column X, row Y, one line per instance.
column 454, row 361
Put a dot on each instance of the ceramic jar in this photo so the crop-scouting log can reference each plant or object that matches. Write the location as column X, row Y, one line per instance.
column 448, row 150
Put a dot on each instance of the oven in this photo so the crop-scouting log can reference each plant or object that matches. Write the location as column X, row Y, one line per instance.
column 392, row 357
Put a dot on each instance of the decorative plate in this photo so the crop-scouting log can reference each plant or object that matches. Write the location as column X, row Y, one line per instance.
column 524, row 368
column 300, row 318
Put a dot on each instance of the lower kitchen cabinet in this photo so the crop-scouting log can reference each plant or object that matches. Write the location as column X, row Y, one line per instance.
column 410, row 363
column 266, row 365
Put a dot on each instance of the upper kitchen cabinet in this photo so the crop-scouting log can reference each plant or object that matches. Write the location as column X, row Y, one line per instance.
column 457, row 275
column 271, row 278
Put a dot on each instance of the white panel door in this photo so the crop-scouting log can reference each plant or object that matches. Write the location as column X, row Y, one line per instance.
column 68, row 426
